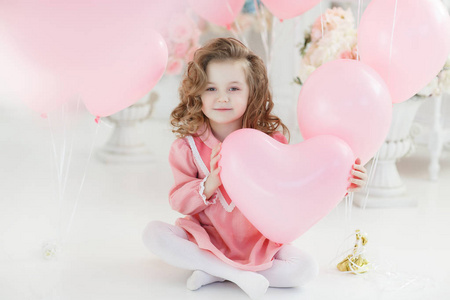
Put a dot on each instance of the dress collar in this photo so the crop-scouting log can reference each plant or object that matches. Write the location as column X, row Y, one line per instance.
column 207, row 137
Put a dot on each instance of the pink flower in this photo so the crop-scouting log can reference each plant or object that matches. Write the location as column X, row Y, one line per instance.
column 182, row 37
column 174, row 66
column 195, row 36
column 333, row 36
column 330, row 20
column 190, row 54
column 181, row 49
column 181, row 28
column 350, row 54
column 347, row 55
column 316, row 30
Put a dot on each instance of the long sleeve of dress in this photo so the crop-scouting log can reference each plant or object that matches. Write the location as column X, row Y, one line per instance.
column 186, row 194
column 279, row 137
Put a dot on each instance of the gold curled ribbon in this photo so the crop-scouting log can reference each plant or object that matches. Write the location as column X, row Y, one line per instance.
column 356, row 263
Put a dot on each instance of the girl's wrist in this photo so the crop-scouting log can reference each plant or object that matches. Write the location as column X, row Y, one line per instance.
column 209, row 188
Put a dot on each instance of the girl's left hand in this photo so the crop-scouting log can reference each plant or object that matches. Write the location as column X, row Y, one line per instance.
column 359, row 177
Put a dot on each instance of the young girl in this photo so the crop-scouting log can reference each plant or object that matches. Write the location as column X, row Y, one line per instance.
column 224, row 89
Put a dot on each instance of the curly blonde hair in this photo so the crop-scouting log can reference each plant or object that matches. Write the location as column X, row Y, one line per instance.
column 188, row 117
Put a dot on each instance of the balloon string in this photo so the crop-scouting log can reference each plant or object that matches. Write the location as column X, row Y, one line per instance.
column 62, row 238
column 55, row 155
column 357, row 26
column 55, row 159
column 62, row 156
column 264, row 32
column 359, row 13
column 69, row 160
column 60, row 164
column 240, row 36
column 346, row 227
column 392, row 41
column 321, row 17
column 348, row 211
column 348, row 206
column 370, row 178
column 356, row 250
column 63, row 150
column 349, row 247
column 272, row 42
column 322, row 27
column 236, row 23
column 351, row 205
column 385, row 278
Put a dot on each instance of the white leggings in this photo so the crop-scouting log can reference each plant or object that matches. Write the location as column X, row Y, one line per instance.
column 291, row 267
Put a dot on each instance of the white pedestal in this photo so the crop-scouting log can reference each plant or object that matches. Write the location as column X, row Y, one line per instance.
column 386, row 188
column 433, row 131
column 127, row 143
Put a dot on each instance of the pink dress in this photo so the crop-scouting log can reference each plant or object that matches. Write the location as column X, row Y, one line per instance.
column 214, row 224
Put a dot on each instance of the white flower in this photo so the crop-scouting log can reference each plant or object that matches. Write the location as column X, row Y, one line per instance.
column 332, row 35
column 50, row 249
column 333, row 19
column 447, row 63
column 444, row 81
column 430, row 89
column 439, row 84
column 305, row 71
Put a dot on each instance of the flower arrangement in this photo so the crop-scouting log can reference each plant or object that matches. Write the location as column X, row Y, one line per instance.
column 439, row 84
column 444, row 77
column 182, row 38
column 332, row 36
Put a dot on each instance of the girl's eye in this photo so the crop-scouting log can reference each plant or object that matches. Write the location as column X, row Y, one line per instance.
column 211, row 89
column 234, row 89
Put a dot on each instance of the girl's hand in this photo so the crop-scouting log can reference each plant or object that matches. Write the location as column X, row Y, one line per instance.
column 359, row 177
column 213, row 182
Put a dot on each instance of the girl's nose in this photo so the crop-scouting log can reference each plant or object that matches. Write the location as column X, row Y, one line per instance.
column 223, row 98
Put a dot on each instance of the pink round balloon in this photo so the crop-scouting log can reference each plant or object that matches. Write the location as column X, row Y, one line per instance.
column 282, row 189
column 105, row 49
column 220, row 12
column 131, row 75
column 21, row 79
column 77, row 36
column 287, row 9
column 347, row 99
column 407, row 51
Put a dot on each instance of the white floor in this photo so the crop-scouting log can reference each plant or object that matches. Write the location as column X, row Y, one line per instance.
column 103, row 257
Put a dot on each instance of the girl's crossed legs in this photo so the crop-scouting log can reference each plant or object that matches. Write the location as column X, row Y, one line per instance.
column 291, row 267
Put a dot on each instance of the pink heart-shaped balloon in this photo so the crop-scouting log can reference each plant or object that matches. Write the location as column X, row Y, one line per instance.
column 281, row 189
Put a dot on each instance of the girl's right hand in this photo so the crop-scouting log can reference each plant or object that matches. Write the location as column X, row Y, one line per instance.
column 213, row 182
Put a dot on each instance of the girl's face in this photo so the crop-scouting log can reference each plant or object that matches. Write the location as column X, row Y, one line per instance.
column 225, row 96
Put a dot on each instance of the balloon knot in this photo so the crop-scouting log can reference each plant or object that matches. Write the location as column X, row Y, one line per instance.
column 228, row 26
column 44, row 116
column 97, row 119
